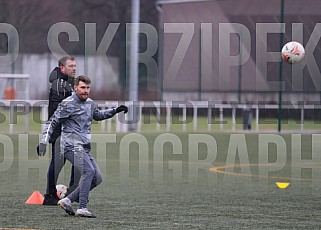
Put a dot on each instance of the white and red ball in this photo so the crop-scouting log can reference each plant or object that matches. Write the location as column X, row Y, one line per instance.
column 293, row 52
column 61, row 190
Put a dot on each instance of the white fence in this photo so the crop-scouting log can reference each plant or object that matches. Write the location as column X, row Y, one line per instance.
column 102, row 70
column 24, row 108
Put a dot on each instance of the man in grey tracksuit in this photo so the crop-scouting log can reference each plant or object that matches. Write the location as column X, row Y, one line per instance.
column 75, row 115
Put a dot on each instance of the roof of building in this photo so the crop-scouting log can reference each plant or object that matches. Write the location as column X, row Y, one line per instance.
column 178, row 1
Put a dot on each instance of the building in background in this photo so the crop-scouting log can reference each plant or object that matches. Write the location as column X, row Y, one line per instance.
column 201, row 62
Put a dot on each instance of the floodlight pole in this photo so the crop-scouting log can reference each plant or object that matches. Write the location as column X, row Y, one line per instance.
column 133, row 73
column 280, row 68
column 239, row 88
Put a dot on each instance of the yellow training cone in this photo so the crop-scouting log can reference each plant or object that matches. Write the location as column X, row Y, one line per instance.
column 282, row 185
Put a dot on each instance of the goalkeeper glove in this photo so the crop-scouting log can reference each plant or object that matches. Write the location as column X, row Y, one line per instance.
column 41, row 149
column 121, row 108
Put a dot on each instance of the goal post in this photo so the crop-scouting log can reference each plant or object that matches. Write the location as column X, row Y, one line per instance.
column 13, row 84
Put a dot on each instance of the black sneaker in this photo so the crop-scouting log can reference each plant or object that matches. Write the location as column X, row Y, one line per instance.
column 50, row 200
column 65, row 204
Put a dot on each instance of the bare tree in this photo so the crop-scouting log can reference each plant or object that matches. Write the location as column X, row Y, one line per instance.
column 31, row 20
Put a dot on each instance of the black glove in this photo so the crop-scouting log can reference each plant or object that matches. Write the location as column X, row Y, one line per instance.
column 41, row 149
column 121, row 108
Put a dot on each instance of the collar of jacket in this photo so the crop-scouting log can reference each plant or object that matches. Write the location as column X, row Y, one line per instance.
column 76, row 98
column 55, row 74
column 61, row 75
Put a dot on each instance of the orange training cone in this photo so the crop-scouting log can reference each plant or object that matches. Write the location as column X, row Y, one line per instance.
column 35, row 198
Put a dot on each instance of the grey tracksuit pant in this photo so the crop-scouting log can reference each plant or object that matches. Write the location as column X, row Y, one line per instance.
column 85, row 165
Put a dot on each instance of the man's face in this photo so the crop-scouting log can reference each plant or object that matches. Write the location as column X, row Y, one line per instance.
column 82, row 90
column 69, row 68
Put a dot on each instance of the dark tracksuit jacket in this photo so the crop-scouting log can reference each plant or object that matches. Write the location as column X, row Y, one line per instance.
column 61, row 88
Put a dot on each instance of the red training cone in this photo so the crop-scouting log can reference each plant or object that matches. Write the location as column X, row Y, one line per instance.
column 35, row 198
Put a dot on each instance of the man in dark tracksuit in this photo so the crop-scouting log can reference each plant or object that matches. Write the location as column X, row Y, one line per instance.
column 75, row 114
column 62, row 83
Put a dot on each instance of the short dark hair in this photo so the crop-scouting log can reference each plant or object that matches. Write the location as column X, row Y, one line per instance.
column 82, row 78
column 63, row 60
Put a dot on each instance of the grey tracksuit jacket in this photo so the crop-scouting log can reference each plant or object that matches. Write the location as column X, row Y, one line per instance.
column 75, row 116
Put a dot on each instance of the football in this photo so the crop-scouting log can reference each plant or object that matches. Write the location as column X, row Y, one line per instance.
column 61, row 190
column 293, row 52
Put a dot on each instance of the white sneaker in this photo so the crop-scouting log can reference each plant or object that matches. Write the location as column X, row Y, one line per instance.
column 83, row 212
column 65, row 204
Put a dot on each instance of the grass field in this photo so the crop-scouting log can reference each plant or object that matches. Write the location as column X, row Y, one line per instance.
column 175, row 181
